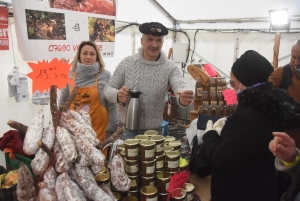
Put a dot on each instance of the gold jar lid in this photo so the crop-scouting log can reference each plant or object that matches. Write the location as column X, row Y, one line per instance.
column 172, row 154
column 130, row 198
column 169, row 138
column 149, row 190
column 146, row 143
column 131, row 142
column 108, row 166
column 148, row 178
column 160, row 156
column 102, row 177
column 123, row 152
column 121, row 146
column 103, row 170
column 188, row 187
column 141, row 137
column 178, row 193
column 163, row 175
column 117, row 195
column 147, row 162
column 151, row 132
column 168, row 148
column 174, row 143
column 157, row 138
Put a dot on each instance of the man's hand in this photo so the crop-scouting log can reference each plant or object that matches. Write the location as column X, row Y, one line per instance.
column 123, row 94
column 284, row 147
column 186, row 97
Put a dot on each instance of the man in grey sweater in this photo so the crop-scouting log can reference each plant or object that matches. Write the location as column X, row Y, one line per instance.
column 150, row 72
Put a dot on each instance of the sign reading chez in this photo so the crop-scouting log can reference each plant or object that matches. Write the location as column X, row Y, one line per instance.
column 4, row 41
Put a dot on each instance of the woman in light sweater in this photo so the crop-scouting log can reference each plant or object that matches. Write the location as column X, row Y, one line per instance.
column 287, row 160
column 88, row 73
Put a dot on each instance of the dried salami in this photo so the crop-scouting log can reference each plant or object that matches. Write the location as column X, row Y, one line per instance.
column 46, row 194
column 61, row 164
column 72, row 191
column 107, row 190
column 66, row 143
column 60, row 188
column 25, row 187
column 34, row 133
column 85, row 172
column 50, row 178
column 85, row 115
column 118, row 176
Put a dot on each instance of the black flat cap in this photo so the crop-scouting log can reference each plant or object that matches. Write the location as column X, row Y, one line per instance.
column 153, row 28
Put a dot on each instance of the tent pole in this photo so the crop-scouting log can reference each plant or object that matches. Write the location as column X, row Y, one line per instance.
column 276, row 50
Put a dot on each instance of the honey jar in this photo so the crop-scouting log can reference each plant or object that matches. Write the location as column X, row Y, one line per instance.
column 135, row 182
column 120, row 147
column 151, row 133
column 103, row 170
column 102, row 178
column 172, row 160
column 148, row 181
column 147, row 148
column 123, row 154
column 189, row 189
column 117, row 196
column 148, row 168
column 134, row 193
column 168, row 148
column 141, row 137
column 159, row 144
column 149, row 193
column 131, row 149
column 130, row 198
column 178, row 194
column 163, row 181
column 175, row 144
column 121, row 193
column 160, row 162
column 198, row 88
column 168, row 139
column 132, row 167
column 163, row 196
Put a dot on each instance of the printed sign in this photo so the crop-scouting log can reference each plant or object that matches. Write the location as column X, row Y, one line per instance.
column 46, row 74
column 4, row 42
column 54, row 28
column 230, row 96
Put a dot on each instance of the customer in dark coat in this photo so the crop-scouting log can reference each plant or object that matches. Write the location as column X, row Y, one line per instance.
column 242, row 165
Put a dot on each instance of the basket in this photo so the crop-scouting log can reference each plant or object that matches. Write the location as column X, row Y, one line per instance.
column 9, row 194
column 14, row 163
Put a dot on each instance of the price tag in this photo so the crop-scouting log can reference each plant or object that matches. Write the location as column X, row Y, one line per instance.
column 230, row 96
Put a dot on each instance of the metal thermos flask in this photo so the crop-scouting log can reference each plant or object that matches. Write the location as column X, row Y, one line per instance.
column 133, row 111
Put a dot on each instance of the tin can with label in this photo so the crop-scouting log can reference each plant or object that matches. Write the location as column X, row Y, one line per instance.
column 160, row 162
column 132, row 167
column 163, row 181
column 131, row 149
column 135, row 182
column 148, row 181
column 159, row 144
column 149, row 193
column 134, row 193
column 120, row 147
column 147, row 148
column 172, row 160
column 148, row 168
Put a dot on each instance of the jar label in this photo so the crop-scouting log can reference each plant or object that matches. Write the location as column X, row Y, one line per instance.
column 167, row 185
column 220, row 88
column 205, row 103
column 159, row 147
column 212, row 88
column 199, row 90
column 221, row 103
column 150, row 170
column 149, row 153
column 132, row 152
column 225, row 87
column 173, row 164
column 159, row 164
column 213, row 103
column 133, row 183
column 189, row 197
column 151, row 199
column 132, row 169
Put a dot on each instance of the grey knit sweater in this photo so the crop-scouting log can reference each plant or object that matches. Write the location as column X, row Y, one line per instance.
column 152, row 78
column 86, row 77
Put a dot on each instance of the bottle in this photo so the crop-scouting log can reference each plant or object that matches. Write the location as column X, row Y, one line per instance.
column 198, row 88
column 220, row 98
column 213, row 101
column 226, row 111
column 205, row 99
column 212, row 84
column 201, row 110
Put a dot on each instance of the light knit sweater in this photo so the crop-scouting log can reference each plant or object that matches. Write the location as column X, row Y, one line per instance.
column 85, row 76
column 152, row 78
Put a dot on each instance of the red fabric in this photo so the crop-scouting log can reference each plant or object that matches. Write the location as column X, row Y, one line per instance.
column 12, row 140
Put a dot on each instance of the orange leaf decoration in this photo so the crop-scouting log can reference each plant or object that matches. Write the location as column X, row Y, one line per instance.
column 44, row 74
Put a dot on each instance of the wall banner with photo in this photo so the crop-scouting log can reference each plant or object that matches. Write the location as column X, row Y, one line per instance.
column 4, row 32
column 48, row 29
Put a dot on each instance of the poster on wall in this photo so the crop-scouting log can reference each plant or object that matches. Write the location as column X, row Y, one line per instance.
column 48, row 29
column 4, row 41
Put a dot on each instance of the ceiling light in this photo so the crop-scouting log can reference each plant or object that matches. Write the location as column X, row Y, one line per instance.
column 280, row 19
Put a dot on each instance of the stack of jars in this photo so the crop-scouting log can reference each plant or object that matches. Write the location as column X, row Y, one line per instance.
column 212, row 99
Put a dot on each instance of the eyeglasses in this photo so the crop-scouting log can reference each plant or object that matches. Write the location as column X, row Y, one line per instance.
column 232, row 83
column 155, row 29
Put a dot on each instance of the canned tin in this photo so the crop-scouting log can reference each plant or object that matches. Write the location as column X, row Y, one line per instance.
column 130, row 198
column 163, row 181
column 172, row 160
column 189, row 189
column 135, row 182
column 175, row 144
column 148, row 181
column 149, row 193
column 132, row 167
column 178, row 194
column 159, row 144
column 169, row 139
column 160, row 162
column 147, row 148
column 148, row 168
column 102, row 178
column 131, row 149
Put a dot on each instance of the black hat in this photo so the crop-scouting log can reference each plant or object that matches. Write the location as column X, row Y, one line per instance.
column 252, row 68
column 153, row 28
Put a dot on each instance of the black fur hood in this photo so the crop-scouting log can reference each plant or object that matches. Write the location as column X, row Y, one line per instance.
column 273, row 103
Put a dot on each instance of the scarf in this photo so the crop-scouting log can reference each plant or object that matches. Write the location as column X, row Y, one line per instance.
column 85, row 72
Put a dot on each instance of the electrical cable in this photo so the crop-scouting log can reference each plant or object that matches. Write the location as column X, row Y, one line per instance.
column 194, row 45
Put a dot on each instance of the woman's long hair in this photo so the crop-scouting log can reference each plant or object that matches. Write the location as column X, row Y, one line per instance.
column 99, row 57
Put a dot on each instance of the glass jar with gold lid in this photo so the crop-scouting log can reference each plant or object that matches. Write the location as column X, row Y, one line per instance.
column 169, row 139
column 147, row 149
column 168, row 148
column 102, row 178
column 151, row 133
column 175, row 144
column 172, row 160
column 130, row 198
column 131, row 149
column 178, row 194
column 189, row 189
column 148, row 193
column 141, row 137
